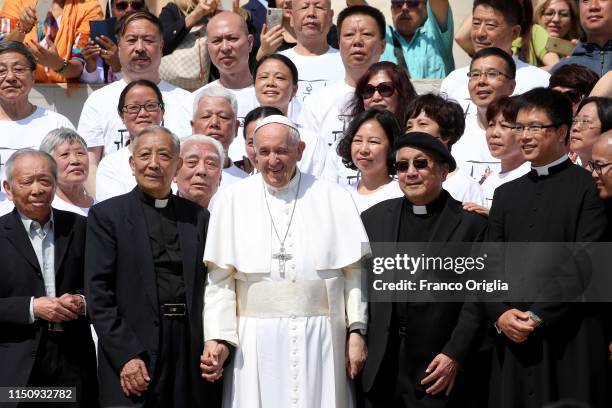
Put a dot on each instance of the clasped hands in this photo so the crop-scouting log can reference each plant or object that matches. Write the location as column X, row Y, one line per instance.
column 212, row 359
column 56, row 310
column 516, row 325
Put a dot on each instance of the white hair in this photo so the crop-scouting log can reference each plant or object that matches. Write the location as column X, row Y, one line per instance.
column 10, row 163
column 198, row 138
column 59, row 136
column 216, row 91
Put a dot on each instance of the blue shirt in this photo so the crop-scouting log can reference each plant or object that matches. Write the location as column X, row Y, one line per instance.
column 590, row 55
column 429, row 54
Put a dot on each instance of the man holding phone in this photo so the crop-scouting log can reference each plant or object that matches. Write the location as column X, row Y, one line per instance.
column 101, row 58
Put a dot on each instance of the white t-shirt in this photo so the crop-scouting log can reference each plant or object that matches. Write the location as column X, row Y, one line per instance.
column 463, row 188
column 231, row 175
column 497, row 179
column 455, row 85
column 27, row 132
column 100, row 124
column 365, row 201
column 471, row 152
column 246, row 102
column 114, row 176
column 316, row 72
column 324, row 113
column 335, row 171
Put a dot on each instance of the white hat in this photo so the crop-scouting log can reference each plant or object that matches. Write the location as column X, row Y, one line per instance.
column 283, row 120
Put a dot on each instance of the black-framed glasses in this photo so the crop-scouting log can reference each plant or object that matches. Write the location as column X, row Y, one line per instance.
column 597, row 167
column 533, row 128
column 491, row 74
column 135, row 5
column 385, row 89
column 134, row 108
column 409, row 3
column 402, row 166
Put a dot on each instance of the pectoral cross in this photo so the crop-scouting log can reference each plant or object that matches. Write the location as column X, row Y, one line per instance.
column 282, row 257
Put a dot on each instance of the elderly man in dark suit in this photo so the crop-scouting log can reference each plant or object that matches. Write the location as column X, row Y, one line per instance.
column 44, row 337
column 145, row 285
column 416, row 349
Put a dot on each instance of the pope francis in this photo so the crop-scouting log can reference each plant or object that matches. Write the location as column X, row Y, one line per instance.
column 284, row 283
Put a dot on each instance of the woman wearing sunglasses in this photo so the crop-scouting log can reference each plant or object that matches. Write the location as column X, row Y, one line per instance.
column 443, row 119
column 366, row 148
column 384, row 86
column 593, row 117
column 140, row 105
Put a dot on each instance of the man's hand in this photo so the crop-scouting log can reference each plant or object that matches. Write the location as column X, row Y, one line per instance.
column 27, row 19
column 356, row 354
column 108, row 52
column 55, row 310
column 212, row 360
column 48, row 57
column 91, row 52
column 75, row 303
column 516, row 325
column 270, row 40
column 478, row 209
column 442, row 372
column 134, row 377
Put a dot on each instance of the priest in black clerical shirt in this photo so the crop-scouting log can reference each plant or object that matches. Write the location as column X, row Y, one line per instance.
column 406, row 339
column 145, row 286
column 553, row 350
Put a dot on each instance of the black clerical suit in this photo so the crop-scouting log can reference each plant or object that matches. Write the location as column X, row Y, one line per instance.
column 566, row 356
column 30, row 354
column 142, row 257
column 403, row 338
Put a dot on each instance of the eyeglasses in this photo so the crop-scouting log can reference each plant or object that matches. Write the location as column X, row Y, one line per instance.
column 397, row 4
column 491, row 74
column 581, row 124
column 533, row 129
column 135, row 5
column 17, row 70
column 385, row 89
column 402, row 166
column 134, row 108
column 597, row 167
column 550, row 13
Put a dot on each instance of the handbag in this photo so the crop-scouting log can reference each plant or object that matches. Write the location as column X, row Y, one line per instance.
column 188, row 66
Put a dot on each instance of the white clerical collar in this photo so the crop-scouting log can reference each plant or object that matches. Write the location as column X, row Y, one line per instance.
column 544, row 170
column 161, row 203
column 419, row 209
column 289, row 187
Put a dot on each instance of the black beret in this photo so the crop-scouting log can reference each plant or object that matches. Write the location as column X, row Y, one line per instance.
column 428, row 142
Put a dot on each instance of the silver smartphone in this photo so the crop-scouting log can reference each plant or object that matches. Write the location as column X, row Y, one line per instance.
column 226, row 5
column 42, row 8
column 274, row 17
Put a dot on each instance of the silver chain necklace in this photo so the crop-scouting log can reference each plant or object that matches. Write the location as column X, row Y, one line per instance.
column 282, row 255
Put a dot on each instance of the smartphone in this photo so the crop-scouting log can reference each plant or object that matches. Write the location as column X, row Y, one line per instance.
column 274, row 17
column 106, row 28
column 42, row 8
column 560, row 46
column 226, row 5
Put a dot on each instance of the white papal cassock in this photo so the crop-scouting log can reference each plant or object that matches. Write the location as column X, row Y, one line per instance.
column 289, row 328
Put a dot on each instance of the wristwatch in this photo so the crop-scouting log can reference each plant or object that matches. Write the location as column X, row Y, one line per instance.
column 65, row 64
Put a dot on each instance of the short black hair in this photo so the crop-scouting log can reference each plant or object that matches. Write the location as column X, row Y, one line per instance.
column 496, row 52
column 604, row 110
column 132, row 16
column 16, row 46
column 282, row 58
column 259, row 112
column 557, row 106
column 138, row 82
column 447, row 114
column 512, row 10
column 375, row 13
column 385, row 119
column 574, row 76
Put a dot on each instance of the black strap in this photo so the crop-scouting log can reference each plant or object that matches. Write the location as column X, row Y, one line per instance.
column 398, row 52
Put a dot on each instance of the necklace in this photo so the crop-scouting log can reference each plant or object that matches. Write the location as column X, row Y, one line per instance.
column 282, row 255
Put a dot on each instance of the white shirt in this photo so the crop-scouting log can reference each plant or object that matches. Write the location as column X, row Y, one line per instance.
column 463, row 188
column 455, row 85
column 28, row 132
column 365, row 201
column 246, row 102
column 231, row 175
column 471, row 152
column 316, row 72
column 324, row 112
column 100, row 124
column 114, row 176
column 497, row 179
column 61, row 204
column 335, row 171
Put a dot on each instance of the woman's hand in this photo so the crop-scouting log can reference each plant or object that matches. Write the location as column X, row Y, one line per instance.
column 204, row 8
column 27, row 19
column 46, row 56
column 270, row 40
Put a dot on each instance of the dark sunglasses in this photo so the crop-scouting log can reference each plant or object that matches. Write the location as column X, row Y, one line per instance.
column 385, row 89
column 402, row 166
column 135, row 5
column 409, row 3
